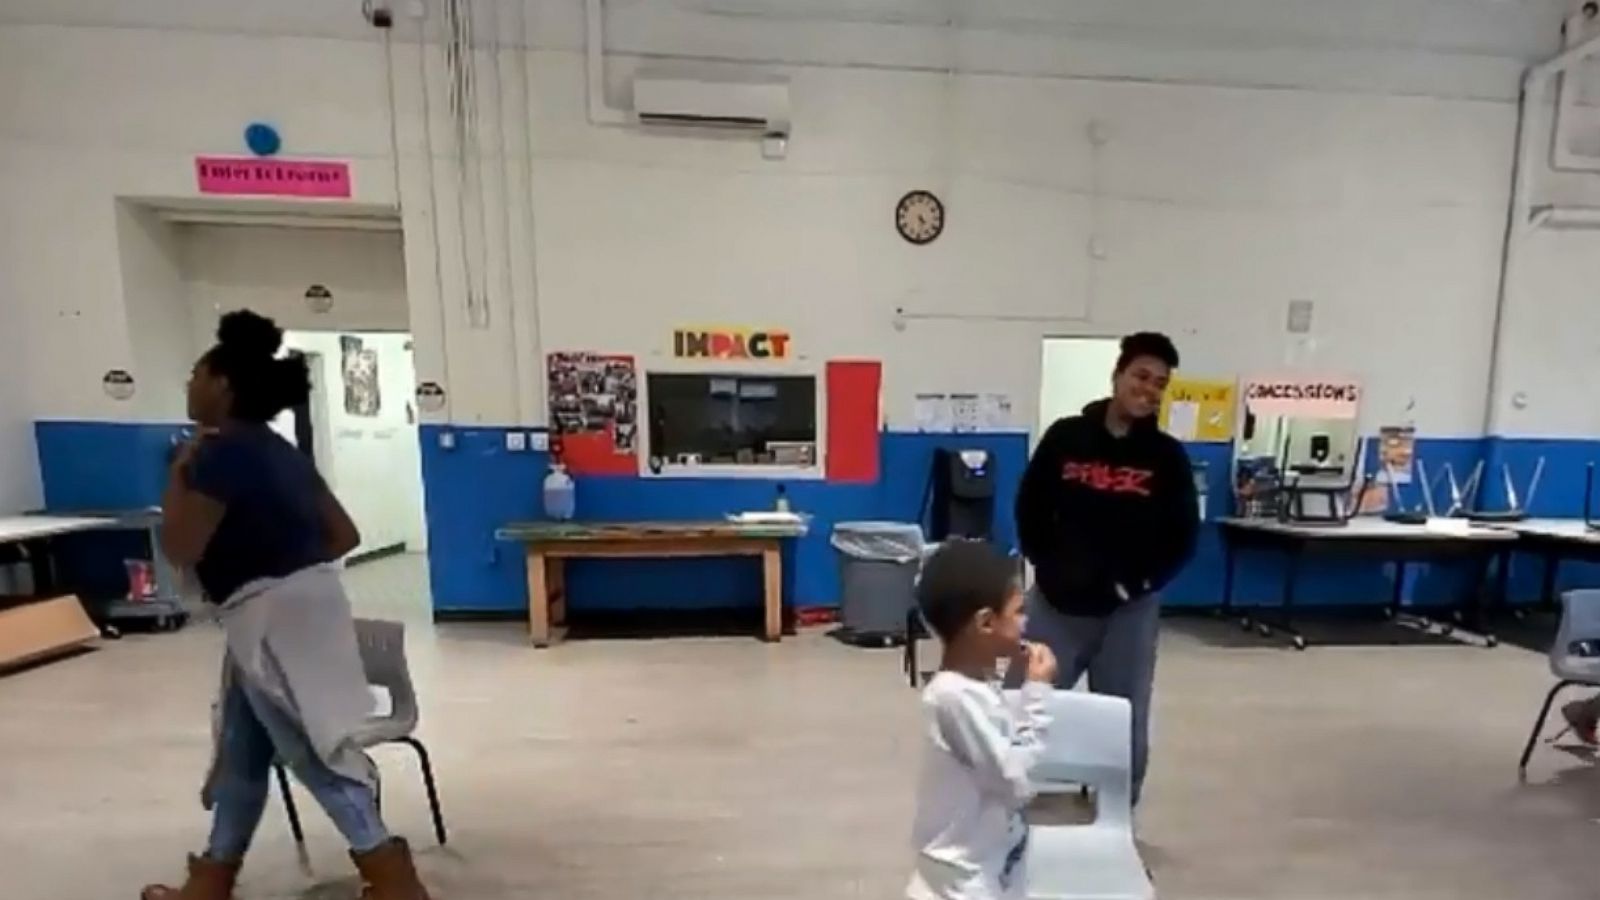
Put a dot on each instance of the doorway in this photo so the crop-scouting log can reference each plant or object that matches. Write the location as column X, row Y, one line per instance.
column 360, row 428
column 1073, row 372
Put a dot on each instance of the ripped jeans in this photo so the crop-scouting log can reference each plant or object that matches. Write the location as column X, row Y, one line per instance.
column 254, row 733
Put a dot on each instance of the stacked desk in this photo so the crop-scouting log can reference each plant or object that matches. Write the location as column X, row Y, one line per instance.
column 42, row 624
column 551, row 544
column 1372, row 539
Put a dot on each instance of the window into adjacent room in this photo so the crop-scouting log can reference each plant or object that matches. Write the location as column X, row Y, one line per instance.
column 719, row 419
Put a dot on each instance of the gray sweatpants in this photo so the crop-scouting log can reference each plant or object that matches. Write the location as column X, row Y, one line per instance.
column 1118, row 652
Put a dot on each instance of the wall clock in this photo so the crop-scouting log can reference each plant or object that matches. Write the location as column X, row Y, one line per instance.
column 919, row 216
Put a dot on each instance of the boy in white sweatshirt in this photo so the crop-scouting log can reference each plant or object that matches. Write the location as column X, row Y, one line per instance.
column 970, row 838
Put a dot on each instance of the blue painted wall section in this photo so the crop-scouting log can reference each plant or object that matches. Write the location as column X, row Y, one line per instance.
column 103, row 465
column 477, row 486
column 87, row 466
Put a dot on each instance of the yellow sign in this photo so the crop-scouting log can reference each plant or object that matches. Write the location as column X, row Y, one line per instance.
column 729, row 343
column 1199, row 410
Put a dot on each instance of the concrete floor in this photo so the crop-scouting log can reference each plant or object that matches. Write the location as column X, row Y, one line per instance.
column 726, row 768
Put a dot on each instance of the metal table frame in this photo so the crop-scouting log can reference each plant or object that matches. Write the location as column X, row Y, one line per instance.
column 1555, row 541
column 1355, row 541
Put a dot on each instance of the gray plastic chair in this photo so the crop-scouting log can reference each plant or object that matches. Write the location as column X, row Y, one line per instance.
column 383, row 655
column 1089, row 744
column 1580, row 623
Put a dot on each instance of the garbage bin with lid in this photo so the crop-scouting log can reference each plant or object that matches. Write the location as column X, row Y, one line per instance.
column 878, row 564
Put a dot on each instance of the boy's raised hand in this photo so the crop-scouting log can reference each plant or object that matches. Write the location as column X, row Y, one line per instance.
column 1041, row 663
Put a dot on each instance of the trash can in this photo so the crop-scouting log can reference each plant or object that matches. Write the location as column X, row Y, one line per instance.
column 878, row 565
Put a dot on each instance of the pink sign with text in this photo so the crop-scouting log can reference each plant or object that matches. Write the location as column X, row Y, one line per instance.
column 249, row 176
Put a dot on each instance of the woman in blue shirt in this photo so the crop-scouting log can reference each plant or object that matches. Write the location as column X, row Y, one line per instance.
column 249, row 513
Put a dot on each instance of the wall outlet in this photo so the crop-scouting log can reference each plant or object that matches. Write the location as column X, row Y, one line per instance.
column 539, row 441
column 516, row 441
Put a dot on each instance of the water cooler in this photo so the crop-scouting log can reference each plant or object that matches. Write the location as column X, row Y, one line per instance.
column 959, row 501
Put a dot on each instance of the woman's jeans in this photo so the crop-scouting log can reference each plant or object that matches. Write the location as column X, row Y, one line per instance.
column 254, row 734
column 1117, row 651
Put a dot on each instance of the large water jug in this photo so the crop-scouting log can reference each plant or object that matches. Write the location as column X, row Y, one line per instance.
column 560, row 494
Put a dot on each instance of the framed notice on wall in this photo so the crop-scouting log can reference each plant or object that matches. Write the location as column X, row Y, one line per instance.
column 594, row 412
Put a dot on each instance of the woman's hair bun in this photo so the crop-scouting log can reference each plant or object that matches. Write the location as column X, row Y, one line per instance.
column 249, row 334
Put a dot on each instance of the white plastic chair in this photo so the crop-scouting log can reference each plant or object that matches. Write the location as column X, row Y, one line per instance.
column 1580, row 622
column 1089, row 744
column 383, row 656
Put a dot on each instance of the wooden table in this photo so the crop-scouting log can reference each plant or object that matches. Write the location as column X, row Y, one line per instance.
column 551, row 544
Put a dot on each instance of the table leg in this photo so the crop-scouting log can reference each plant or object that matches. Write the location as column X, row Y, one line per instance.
column 772, row 578
column 1487, row 598
column 557, row 576
column 538, row 599
column 1291, row 575
column 1547, row 587
column 1397, row 599
column 1227, row 578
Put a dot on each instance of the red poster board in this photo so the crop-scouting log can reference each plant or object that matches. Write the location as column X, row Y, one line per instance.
column 854, row 388
column 594, row 413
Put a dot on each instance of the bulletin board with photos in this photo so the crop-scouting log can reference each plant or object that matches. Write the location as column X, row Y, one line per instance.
column 594, row 412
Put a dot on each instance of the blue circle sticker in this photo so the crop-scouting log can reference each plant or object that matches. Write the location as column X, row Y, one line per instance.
column 262, row 139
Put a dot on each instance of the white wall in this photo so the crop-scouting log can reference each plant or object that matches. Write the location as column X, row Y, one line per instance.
column 159, row 322
column 1368, row 173
column 267, row 269
column 19, row 468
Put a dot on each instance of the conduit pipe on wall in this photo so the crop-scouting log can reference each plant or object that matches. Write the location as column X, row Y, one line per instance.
column 507, row 165
column 1520, row 219
column 594, row 58
column 530, row 251
column 428, row 165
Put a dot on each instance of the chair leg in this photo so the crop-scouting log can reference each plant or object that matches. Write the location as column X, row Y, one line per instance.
column 433, row 791
column 910, row 659
column 1538, row 726
column 288, row 805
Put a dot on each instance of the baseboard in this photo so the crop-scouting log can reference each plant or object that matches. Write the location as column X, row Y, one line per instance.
column 366, row 556
column 480, row 615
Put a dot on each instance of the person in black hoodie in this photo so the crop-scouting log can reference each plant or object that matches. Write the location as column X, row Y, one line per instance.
column 1107, row 515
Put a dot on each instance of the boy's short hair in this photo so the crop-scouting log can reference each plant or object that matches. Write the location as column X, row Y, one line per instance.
column 1153, row 344
column 961, row 578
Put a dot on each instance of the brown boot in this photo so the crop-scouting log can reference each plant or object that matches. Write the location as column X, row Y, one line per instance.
column 388, row 873
column 208, row 880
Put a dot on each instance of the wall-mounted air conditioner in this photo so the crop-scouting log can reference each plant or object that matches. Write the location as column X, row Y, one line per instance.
column 756, row 105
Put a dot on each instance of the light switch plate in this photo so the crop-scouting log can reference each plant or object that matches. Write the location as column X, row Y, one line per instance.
column 516, row 441
column 539, row 441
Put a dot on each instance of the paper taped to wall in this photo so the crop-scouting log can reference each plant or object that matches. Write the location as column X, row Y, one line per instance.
column 1183, row 420
column 931, row 412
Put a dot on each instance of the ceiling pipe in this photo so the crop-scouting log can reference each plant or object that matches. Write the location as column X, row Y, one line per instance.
column 1520, row 218
column 594, row 58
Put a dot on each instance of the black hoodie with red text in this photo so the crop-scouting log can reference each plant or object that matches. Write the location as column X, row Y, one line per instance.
column 1105, row 519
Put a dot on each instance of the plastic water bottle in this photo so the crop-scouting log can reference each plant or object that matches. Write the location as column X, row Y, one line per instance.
column 560, row 494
